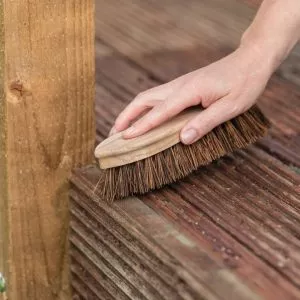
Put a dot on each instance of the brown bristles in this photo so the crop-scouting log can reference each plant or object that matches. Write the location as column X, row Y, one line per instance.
column 180, row 160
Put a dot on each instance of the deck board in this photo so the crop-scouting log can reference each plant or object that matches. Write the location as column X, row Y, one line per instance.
column 237, row 220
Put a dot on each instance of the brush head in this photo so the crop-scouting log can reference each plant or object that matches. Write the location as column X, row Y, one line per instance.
column 180, row 160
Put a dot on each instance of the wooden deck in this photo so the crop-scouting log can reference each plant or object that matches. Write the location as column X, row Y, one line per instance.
column 230, row 231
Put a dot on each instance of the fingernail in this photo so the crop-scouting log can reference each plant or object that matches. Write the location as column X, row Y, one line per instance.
column 189, row 136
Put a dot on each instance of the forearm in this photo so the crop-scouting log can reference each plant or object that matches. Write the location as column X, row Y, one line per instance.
column 274, row 31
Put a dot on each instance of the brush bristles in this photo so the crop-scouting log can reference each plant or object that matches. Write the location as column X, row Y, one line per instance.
column 180, row 160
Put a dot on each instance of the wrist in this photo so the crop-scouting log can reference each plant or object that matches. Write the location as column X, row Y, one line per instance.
column 257, row 58
column 270, row 51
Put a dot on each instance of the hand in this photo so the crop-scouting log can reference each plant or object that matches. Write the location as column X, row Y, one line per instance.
column 225, row 89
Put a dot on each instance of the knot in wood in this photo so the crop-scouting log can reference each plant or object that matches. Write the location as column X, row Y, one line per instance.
column 18, row 89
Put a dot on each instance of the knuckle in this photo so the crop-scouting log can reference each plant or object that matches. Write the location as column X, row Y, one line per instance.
column 206, row 102
column 195, row 100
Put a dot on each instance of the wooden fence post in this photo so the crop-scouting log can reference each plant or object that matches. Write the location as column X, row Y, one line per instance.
column 46, row 129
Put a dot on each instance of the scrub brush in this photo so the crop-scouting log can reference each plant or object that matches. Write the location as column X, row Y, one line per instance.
column 157, row 158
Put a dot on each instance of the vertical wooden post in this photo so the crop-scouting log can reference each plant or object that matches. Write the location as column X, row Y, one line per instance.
column 46, row 129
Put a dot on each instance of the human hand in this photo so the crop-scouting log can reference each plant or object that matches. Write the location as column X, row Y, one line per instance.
column 225, row 89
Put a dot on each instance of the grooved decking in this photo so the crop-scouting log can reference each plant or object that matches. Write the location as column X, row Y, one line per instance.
column 229, row 231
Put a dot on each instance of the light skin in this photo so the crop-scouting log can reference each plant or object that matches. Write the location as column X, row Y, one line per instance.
column 225, row 88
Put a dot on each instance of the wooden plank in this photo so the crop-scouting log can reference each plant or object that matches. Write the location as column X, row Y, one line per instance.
column 136, row 227
column 129, row 226
column 46, row 121
column 265, row 219
column 3, row 160
column 141, row 27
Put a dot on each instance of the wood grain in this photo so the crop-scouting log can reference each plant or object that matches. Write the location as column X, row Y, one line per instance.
column 181, row 242
column 133, row 243
column 47, row 92
column 3, row 160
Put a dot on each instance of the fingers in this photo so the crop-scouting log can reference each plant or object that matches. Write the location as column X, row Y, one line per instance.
column 162, row 112
column 130, row 113
column 216, row 114
column 140, row 104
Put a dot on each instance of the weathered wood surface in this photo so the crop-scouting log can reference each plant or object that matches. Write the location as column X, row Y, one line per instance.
column 46, row 122
column 218, row 225
column 239, row 215
column 143, row 255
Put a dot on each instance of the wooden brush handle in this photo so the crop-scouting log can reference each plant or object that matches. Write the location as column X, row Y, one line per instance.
column 116, row 151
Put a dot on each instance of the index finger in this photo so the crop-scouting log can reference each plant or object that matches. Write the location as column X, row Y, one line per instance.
column 140, row 104
column 161, row 113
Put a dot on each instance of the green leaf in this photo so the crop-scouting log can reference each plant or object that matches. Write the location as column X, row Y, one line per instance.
column 2, row 284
